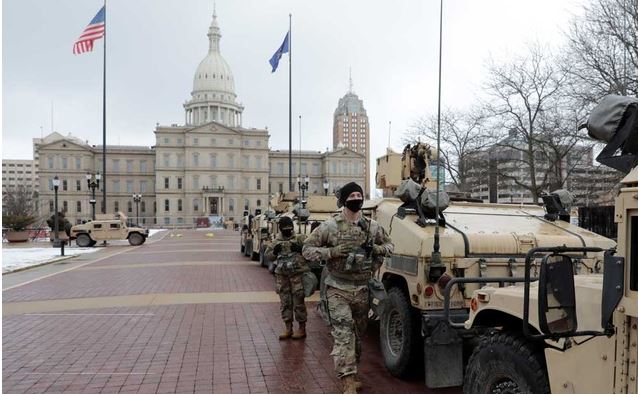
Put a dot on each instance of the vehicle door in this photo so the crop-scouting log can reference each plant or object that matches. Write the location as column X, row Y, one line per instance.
column 115, row 230
column 99, row 231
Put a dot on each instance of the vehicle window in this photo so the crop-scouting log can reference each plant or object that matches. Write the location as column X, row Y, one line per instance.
column 115, row 225
column 97, row 225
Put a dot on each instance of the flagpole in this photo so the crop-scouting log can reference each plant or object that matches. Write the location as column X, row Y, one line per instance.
column 290, row 185
column 104, row 119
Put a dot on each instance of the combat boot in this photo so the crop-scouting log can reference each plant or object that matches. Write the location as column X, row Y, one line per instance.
column 287, row 333
column 349, row 384
column 301, row 334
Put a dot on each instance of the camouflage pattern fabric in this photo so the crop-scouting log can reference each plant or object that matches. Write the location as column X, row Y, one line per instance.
column 291, row 295
column 288, row 262
column 348, row 312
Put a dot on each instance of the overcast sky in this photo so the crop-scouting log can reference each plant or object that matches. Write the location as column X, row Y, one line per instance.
column 154, row 47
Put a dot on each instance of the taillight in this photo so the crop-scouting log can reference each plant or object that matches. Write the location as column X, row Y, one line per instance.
column 444, row 280
column 429, row 291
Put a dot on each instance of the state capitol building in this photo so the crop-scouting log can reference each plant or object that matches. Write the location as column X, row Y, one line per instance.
column 211, row 166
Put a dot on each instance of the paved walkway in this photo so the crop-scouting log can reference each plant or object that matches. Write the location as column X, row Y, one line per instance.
column 182, row 313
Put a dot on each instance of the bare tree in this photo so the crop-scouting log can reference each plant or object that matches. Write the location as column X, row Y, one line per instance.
column 532, row 114
column 18, row 208
column 602, row 53
column 462, row 135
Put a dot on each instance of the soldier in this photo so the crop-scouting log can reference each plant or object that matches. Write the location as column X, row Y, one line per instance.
column 353, row 248
column 286, row 249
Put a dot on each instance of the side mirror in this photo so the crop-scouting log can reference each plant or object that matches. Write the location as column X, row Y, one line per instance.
column 557, row 295
column 613, row 288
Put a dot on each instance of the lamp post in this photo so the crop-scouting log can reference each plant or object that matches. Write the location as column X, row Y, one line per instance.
column 93, row 182
column 303, row 186
column 137, row 198
column 56, row 238
column 326, row 185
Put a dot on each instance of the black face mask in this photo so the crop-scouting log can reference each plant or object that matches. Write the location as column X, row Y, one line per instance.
column 286, row 232
column 354, row 205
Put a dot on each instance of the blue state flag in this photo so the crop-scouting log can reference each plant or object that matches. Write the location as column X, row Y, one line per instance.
column 284, row 48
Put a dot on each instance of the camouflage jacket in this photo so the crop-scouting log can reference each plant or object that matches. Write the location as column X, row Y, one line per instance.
column 349, row 272
column 288, row 262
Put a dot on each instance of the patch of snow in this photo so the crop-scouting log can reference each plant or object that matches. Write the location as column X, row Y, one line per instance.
column 154, row 231
column 14, row 258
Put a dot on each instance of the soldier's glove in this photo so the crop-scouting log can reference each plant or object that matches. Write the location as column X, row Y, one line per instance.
column 340, row 251
column 378, row 250
column 296, row 247
column 276, row 250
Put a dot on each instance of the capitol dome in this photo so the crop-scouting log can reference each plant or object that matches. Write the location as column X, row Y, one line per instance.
column 213, row 97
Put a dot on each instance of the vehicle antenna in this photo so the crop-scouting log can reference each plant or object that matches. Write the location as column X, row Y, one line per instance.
column 436, row 268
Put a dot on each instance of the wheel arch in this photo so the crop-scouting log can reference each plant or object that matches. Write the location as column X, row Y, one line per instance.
column 391, row 280
column 493, row 318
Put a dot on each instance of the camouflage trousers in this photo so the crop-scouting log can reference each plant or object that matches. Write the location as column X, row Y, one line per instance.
column 291, row 295
column 349, row 319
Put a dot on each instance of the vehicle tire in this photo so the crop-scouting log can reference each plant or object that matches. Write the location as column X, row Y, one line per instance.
column 263, row 261
column 135, row 239
column 84, row 241
column 401, row 345
column 254, row 256
column 506, row 363
column 93, row 243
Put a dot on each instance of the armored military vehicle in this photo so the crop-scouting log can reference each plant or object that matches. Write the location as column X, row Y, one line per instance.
column 261, row 234
column 476, row 240
column 107, row 227
column 562, row 332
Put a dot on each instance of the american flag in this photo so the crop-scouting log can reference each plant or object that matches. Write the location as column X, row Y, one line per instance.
column 94, row 31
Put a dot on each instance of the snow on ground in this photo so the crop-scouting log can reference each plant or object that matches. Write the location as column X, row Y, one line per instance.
column 154, row 231
column 14, row 258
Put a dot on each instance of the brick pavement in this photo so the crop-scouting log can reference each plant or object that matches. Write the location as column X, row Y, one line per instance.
column 186, row 348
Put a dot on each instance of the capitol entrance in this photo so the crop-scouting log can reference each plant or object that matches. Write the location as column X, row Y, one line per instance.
column 213, row 203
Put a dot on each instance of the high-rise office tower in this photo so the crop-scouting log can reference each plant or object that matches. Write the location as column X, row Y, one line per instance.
column 351, row 130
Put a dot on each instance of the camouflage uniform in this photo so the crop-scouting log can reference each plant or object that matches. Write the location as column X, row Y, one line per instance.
column 290, row 266
column 347, row 281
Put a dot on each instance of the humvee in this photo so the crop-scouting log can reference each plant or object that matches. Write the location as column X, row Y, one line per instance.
column 562, row 332
column 476, row 240
column 107, row 227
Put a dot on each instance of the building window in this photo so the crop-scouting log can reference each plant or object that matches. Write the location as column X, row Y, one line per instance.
column 65, row 163
column 78, row 185
column 213, row 141
column 116, row 165
column 167, row 160
column 166, row 140
column 258, row 162
column 231, row 182
column 179, row 205
column 196, row 182
column 154, row 206
column 116, row 186
column 231, row 205
column 246, row 204
column 315, row 168
column 195, row 205
column 143, row 206
column 167, row 220
column 65, row 206
column 231, row 141
column 246, row 162
column 179, row 183
column 179, row 141
column 65, row 185
column 116, row 206
column 129, row 186
column 51, row 207
column 258, row 184
column 167, row 205
column 195, row 141
column 142, row 186
column 196, row 159
column 246, row 186
column 78, row 163
column 50, row 162
column 129, row 166
column 180, row 161
column 280, row 168
column 129, row 206
column 213, row 160
column 102, row 209
column 281, row 187
column 259, row 203
column 231, row 160
column 143, row 166
column 166, row 183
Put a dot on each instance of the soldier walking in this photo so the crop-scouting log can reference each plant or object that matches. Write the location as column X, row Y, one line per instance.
column 286, row 249
column 353, row 248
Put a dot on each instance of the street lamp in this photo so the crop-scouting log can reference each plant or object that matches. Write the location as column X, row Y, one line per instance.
column 56, row 238
column 93, row 181
column 137, row 198
column 303, row 186
column 326, row 185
